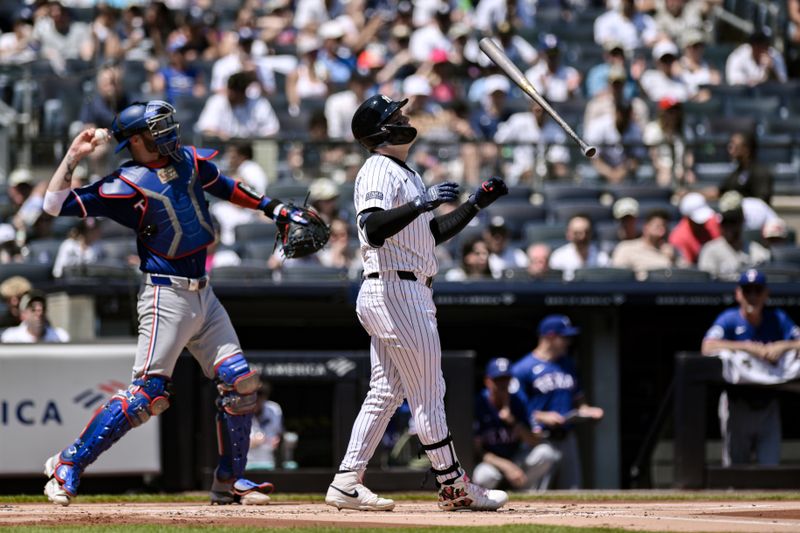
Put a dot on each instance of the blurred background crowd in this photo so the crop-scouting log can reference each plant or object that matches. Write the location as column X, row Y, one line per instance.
column 692, row 103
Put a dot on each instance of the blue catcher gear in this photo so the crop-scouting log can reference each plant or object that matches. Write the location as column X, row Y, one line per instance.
column 127, row 409
column 175, row 221
column 237, row 386
column 155, row 116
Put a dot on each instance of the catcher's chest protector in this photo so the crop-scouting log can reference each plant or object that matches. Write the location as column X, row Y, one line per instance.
column 175, row 221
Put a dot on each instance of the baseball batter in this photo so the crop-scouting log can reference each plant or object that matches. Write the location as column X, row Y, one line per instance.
column 398, row 234
column 160, row 195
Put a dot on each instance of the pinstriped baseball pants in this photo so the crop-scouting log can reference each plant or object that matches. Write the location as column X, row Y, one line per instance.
column 405, row 354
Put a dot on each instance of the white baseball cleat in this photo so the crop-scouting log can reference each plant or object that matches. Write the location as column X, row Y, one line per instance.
column 347, row 492
column 461, row 494
column 53, row 489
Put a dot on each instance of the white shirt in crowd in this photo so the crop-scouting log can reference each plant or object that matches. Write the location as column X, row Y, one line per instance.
column 72, row 253
column 253, row 175
column 229, row 65
column 523, row 128
column 267, row 425
column 658, row 85
column 639, row 31
column 255, row 118
column 696, row 78
column 511, row 257
column 309, row 12
column 22, row 335
column 742, row 69
column 554, row 86
column 339, row 110
column 425, row 40
column 567, row 259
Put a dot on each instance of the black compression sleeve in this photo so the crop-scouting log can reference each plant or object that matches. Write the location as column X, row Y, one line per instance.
column 382, row 224
column 445, row 226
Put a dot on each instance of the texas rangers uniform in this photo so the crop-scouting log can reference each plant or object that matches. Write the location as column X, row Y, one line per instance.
column 164, row 203
column 550, row 386
column 750, row 418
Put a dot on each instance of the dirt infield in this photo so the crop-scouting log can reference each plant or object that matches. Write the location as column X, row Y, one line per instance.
column 738, row 516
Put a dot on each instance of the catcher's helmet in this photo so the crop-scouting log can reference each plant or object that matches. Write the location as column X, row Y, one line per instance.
column 370, row 127
column 156, row 116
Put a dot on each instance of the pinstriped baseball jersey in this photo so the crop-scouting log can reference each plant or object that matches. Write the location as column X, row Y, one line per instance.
column 384, row 183
column 400, row 317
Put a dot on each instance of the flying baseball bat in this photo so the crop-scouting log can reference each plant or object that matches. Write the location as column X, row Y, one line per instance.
column 497, row 55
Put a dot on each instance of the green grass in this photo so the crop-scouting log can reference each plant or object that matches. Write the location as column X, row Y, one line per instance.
column 582, row 496
column 525, row 528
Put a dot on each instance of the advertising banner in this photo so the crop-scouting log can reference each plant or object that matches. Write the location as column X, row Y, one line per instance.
column 49, row 392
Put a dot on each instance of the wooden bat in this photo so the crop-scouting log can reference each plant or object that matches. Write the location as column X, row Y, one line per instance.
column 499, row 57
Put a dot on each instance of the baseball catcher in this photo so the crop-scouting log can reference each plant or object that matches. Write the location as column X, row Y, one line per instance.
column 160, row 195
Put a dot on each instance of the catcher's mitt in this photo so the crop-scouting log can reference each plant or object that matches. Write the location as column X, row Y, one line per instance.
column 300, row 240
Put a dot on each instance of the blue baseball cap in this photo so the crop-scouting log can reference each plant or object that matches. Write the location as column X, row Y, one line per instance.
column 557, row 325
column 498, row 368
column 752, row 277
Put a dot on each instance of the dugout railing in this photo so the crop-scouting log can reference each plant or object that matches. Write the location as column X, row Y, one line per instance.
column 697, row 378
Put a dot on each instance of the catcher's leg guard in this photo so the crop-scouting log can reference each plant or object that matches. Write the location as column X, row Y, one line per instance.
column 127, row 409
column 237, row 386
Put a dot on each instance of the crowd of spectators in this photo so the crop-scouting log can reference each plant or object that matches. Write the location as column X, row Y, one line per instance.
column 274, row 83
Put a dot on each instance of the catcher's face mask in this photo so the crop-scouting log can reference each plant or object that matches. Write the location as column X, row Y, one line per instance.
column 160, row 119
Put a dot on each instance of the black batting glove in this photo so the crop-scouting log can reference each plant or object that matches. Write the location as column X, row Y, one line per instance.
column 436, row 196
column 489, row 191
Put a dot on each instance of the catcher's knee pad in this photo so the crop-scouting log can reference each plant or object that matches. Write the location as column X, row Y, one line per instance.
column 237, row 386
column 125, row 410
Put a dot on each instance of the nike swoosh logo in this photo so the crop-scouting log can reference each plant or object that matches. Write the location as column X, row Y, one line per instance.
column 353, row 494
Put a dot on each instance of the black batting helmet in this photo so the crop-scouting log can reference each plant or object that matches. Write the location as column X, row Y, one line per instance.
column 370, row 127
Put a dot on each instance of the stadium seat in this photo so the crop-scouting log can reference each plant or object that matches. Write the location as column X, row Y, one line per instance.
column 241, row 273
column 43, row 250
column 101, row 270
column 606, row 231
column 516, row 215
column 118, row 248
column 288, row 192
column 600, row 274
column 786, row 255
column 306, row 272
column 61, row 226
column 775, row 148
column 678, row 275
column 596, row 212
column 34, row 272
column 641, row 192
column 518, row 193
column 521, row 275
column 651, row 205
column 556, row 192
column 780, row 272
column 257, row 249
column 543, row 232
column 748, row 106
column 255, row 231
